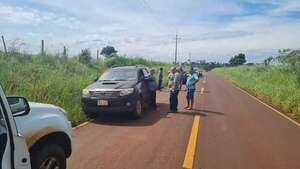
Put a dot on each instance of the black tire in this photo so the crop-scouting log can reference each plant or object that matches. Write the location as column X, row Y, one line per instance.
column 42, row 156
column 139, row 109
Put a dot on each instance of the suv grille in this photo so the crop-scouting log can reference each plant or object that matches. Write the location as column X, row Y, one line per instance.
column 104, row 93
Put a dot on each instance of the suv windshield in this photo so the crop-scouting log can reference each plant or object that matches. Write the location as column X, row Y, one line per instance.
column 119, row 75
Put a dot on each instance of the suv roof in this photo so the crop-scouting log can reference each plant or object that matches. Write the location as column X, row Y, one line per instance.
column 129, row 67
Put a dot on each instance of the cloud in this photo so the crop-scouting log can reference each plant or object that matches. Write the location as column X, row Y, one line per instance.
column 286, row 7
column 27, row 16
column 209, row 29
column 18, row 15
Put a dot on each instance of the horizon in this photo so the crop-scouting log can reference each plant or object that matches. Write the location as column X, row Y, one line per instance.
column 208, row 30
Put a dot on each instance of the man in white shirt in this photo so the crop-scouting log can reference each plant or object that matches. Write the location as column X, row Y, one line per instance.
column 174, row 87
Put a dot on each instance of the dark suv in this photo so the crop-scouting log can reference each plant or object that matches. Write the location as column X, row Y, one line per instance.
column 120, row 89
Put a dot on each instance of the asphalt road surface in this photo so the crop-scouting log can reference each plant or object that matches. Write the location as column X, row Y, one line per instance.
column 235, row 132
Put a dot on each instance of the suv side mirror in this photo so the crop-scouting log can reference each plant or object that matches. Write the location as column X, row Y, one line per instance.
column 19, row 106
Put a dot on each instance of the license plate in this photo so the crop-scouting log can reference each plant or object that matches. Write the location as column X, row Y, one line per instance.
column 102, row 103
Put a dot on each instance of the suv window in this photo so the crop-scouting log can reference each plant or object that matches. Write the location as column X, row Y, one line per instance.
column 119, row 74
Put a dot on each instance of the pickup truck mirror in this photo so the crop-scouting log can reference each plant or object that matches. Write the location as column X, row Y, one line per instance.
column 19, row 106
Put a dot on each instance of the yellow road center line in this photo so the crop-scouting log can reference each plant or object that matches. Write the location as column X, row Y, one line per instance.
column 191, row 148
column 202, row 90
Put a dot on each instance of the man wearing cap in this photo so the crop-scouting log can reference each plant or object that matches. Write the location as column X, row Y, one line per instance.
column 174, row 87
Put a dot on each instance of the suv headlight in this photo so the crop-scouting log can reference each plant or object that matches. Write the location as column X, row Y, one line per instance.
column 85, row 92
column 125, row 92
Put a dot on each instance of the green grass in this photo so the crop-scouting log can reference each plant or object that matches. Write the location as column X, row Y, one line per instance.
column 56, row 80
column 276, row 85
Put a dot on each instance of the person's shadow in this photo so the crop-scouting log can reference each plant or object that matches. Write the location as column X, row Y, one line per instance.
column 200, row 112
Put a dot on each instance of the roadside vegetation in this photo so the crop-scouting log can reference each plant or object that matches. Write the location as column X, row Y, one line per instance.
column 58, row 79
column 276, row 82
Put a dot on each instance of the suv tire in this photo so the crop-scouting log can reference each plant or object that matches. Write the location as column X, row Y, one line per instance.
column 47, row 154
column 139, row 109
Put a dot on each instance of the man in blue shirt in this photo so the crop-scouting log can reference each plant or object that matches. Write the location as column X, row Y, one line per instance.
column 191, row 81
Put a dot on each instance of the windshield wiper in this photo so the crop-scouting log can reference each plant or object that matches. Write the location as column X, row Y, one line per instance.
column 104, row 80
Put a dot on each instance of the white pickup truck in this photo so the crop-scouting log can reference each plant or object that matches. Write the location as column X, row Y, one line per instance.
column 33, row 135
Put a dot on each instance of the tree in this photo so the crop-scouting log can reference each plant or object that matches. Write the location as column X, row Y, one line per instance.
column 108, row 51
column 85, row 56
column 238, row 59
column 268, row 60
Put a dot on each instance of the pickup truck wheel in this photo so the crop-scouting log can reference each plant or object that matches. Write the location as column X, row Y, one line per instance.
column 139, row 109
column 49, row 157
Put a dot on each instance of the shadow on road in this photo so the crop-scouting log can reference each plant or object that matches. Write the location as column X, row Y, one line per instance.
column 125, row 119
column 190, row 113
column 209, row 111
column 200, row 112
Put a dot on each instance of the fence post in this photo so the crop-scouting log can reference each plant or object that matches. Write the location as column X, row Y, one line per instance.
column 4, row 45
column 65, row 51
column 42, row 48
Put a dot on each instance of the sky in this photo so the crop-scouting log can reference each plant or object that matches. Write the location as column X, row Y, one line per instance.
column 211, row 30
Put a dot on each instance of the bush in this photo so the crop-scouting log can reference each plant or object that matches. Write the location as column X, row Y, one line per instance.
column 297, row 69
column 85, row 57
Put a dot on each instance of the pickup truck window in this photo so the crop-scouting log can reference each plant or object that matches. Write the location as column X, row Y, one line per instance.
column 3, row 135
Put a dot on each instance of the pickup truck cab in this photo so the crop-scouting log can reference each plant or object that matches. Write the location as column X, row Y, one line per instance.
column 33, row 135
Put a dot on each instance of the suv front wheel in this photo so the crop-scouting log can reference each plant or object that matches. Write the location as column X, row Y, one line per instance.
column 50, row 156
column 139, row 109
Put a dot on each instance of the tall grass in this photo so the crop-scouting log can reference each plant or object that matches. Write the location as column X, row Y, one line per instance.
column 276, row 85
column 56, row 80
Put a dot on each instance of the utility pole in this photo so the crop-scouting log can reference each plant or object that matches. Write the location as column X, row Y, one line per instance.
column 175, row 61
column 42, row 48
column 190, row 58
column 4, row 45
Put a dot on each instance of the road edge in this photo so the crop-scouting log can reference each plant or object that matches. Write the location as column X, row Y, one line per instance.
column 82, row 124
column 259, row 100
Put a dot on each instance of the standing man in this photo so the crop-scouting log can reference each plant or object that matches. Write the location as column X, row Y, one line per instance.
column 160, row 78
column 174, row 87
column 191, row 81
column 153, row 88
column 181, row 74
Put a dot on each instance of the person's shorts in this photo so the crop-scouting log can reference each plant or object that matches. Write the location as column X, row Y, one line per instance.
column 190, row 94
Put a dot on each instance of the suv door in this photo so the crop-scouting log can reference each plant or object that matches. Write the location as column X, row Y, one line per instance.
column 147, row 78
column 13, row 150
column 142, row 86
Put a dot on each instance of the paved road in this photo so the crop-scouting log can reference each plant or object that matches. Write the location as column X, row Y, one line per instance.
column 236, row 132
